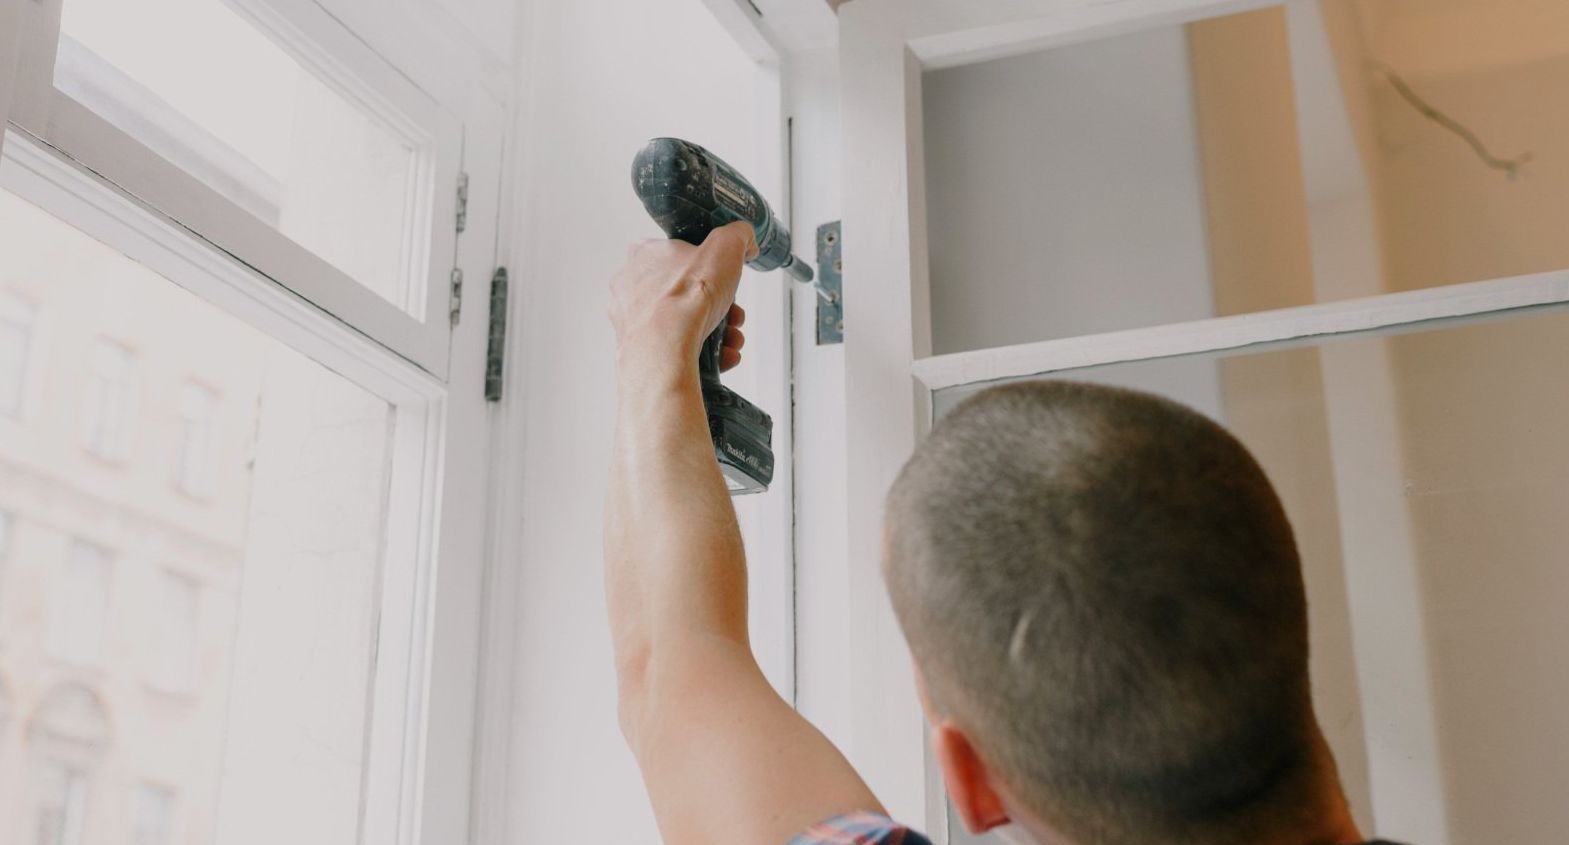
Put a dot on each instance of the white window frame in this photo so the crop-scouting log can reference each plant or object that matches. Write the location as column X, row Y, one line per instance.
column 423, row 770
column 321, row 44
column 885, row 46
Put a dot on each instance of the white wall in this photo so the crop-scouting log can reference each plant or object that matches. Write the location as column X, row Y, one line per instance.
column 595, row 81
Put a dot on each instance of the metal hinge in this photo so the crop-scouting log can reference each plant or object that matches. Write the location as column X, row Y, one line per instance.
column 463, row 202
column 496, row 351
column 830, row 284
column 455, row 300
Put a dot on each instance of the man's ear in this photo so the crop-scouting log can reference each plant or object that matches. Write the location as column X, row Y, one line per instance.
column 970, row 782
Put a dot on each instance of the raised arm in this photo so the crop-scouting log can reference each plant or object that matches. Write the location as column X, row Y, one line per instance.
column 724, row 758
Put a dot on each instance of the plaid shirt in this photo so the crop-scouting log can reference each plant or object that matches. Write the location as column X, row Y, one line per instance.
column 859, row 829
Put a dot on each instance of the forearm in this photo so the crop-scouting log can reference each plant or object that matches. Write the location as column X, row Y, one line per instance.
column 725, row 758
column 675, row 566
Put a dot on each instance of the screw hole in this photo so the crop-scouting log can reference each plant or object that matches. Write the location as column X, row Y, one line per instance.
column 831, row 238
column 838, row 266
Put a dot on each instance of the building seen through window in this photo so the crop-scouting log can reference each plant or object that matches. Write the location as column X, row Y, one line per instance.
column 106, row 408
column 153, row 449
column 154, row 809
column 193, row 472
column 79, row 604
column 174, row 668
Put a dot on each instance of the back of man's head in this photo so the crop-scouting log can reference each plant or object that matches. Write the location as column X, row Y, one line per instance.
column 1102, row 591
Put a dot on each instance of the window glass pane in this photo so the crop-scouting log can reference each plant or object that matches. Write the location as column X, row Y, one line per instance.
column 204, row 87
column 78, row 604
column 175, row 656
column 16, row 342
column 193, row 472
column 222, row 648
column 1425, row 475
column 1163, row 176
column 154, row 808
column 106, row 411
column 62, row 806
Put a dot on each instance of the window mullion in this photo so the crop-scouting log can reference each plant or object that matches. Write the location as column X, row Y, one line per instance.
column 1257, row 330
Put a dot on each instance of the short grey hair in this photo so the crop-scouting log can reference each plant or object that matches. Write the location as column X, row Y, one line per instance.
column 1102, row 589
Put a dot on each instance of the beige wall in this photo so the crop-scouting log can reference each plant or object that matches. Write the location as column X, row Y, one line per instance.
column 1483, row 408
column 1477, row 415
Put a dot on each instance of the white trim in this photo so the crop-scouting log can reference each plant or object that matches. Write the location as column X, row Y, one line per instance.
column 113, row 95
column 36, row 171
column 801, row 25
column 11, row 17
column 746, row 25
column 887, row 327
column 946, row 33
column 1267, row 329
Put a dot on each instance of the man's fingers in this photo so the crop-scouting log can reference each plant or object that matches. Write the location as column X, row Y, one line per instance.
column 734, row 339
column 737, row 316
column 729, row 359
column 720, row 257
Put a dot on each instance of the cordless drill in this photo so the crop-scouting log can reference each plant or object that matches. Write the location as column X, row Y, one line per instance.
column 690, row 192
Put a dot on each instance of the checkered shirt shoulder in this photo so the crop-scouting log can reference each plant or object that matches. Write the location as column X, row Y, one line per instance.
column 859, row 829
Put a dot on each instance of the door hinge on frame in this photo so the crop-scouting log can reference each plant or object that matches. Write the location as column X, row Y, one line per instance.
column 455, row 297
column 496, row 351
column 830, row 284
column 463, row 202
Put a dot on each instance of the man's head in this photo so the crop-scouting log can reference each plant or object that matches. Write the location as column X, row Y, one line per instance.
column 1104, row 600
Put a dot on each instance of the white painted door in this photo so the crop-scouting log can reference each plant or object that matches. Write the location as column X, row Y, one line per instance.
column 246, row 420
column 1247, row 206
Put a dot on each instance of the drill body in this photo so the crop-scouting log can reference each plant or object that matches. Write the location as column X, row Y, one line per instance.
column 690, row 192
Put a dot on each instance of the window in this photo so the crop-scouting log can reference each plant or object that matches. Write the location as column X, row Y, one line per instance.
column 154, row 812
column 62, row 806
column 194, row 470
column 284, row 223
column 106, row 409
column 16, row 341
column 256, row 124
column 175, row 660
column 282, row 717
column 80, row 603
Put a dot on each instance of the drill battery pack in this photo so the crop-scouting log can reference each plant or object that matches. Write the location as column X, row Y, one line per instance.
column 741, row 433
